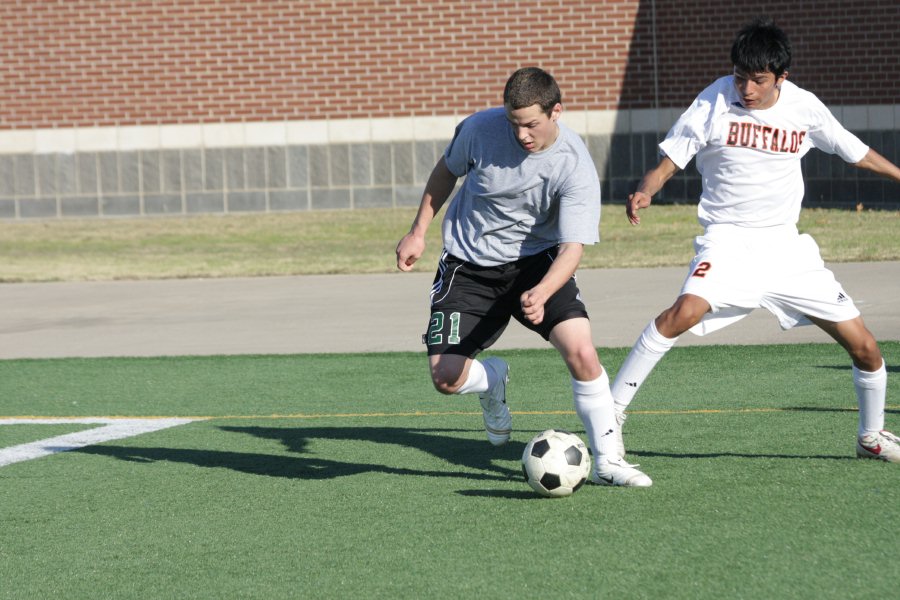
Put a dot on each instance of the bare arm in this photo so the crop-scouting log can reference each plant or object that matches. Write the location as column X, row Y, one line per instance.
column 560, row 272
column 879, row 165
column 650, row 184
column 437, row 190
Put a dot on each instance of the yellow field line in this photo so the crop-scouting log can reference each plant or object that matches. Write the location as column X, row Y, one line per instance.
column 699, row 411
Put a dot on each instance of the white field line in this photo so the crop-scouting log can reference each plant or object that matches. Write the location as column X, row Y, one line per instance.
column 110, row 429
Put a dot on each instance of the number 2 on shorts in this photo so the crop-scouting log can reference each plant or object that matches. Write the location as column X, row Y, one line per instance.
column 701, row 269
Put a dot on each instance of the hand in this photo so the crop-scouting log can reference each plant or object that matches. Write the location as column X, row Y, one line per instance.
column 409, row 250
column 636, row 201
column 532, row 303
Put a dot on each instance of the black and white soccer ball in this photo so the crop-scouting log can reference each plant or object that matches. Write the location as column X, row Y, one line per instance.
column 556, row 463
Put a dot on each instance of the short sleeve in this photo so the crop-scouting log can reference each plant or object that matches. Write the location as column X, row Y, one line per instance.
column 457, row 153
column 828, row 135
column 689, row 133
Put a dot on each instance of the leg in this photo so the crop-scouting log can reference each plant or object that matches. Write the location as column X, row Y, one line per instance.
column 459, row 329
column 449, row 372
column 856, row 339
column 657, row 339
column 869, row 373
column 457, row 374
column 687, row 311
column 593, row 403
column 870, row 381
column 572, row 338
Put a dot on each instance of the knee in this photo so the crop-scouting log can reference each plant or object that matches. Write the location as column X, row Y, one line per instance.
column 681, row 316
column 445, row 381
column 866, row 355
column 444, row 387
column 583, row 363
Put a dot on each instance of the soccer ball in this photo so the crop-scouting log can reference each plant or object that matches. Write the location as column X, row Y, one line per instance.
column 556, row 463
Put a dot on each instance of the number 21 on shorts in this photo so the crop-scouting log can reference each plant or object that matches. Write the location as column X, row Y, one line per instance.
column 437, row 325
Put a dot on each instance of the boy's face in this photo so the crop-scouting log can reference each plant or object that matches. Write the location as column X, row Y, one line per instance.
column 758, row 91
column 534, row 130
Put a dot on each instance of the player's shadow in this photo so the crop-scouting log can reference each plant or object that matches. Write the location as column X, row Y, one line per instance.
column 847, row 367
column 473, row 454
column 477, row 459
column 754, row 455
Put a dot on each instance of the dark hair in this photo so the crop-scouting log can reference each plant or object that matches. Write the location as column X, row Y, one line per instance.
column 529, row 86
column 761, row 46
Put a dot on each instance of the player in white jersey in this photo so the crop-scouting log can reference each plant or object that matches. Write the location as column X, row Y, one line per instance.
column 748, row 132
column 513, row 237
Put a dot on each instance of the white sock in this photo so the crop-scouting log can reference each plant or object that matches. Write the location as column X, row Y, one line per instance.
column 594, row 405
column 646, row 352
column 871, row 390
column 478, row 380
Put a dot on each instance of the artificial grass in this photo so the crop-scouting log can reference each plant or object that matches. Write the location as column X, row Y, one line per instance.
column 21, row 433
column 335, row 476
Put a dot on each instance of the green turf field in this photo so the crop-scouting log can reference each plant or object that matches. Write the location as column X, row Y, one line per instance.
column 347, row 476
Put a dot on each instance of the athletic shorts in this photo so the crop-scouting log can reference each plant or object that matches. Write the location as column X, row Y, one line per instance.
column 471, row 305
column 739, row 269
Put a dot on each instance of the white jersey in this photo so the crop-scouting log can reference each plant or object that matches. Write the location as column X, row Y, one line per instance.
column 749, row 159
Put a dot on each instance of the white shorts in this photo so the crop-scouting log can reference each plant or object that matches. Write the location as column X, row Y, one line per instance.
column 739, row 269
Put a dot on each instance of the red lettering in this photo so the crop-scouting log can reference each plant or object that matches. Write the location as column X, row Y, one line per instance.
column 745, row 134
column 701, row 269
column 756, row 129
column 732, row 134
column 766, row 135
column 784, row 146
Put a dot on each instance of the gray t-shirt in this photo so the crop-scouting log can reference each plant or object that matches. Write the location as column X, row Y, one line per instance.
column 514, row 203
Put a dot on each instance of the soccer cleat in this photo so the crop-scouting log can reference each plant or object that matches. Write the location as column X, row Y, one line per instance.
column 615, row 471
column 620, row 443
column 881, row 445
column 497, row 420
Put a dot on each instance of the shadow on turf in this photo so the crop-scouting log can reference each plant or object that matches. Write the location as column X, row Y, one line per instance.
column 524, row 494
column 651, row 454
column 848, row 367
column 477, row 457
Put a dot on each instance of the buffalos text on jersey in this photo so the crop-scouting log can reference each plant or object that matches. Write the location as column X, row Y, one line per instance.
column 764, row 137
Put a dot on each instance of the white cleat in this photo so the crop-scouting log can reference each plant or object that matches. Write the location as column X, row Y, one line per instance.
column 497, row 420
column 615, row 471
column 881, row 445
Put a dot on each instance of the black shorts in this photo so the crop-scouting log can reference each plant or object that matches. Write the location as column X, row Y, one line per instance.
column 471, row 305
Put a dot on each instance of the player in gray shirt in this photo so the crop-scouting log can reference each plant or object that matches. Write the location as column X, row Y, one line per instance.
column 518, row 203
column 513, row 237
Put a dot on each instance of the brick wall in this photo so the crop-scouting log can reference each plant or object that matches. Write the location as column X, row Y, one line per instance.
column 72, row 63
column 75, row 63
column 845, row 51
